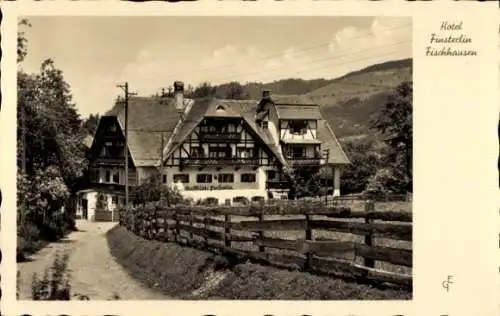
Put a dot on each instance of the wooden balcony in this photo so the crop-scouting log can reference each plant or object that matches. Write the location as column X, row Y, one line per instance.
column 219, row 162
column 305, row 161
column 108, row 161
column 219, row 137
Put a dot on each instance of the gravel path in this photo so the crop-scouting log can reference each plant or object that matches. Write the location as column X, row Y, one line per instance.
column 94, row 271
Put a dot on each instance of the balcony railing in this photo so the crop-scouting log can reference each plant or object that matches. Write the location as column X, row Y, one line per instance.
column 305, row 161
column 226, row 161
column 219, row 136
column 115, row 161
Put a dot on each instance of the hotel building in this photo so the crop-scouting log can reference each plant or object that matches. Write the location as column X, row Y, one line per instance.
column 211, row 148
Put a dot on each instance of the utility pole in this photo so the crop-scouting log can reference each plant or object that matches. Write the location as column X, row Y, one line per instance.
column 161, row 168
column 127, row 94
column 326, row 176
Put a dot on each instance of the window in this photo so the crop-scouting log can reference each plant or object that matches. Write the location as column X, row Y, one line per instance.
column 164, row 178
column 103, row 152
column 116, row 176
column 248, row 177
column 226, row 178
column 114, row 200
column 219, row 151
column 244, row 152
column 183, row 178
column 195, row 152
column 298, row 126
column 298, row 152
column 271, row 175
column 108, row 176
column 112, row 128
column 204, row 178
column 94, row 175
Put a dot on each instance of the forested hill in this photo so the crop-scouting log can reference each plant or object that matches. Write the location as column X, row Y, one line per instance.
column 348, row 102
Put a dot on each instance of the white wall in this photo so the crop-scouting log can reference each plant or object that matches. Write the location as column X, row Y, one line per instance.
column 336, row 181
column 257, row 188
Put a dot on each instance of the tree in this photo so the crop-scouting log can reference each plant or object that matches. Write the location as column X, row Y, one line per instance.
column 90, row 124
column 204, row 90
column 236, row 91
column 50, row 152
column 395, row 124
column 366, row 157
column 22, row 50
column 52, row 133
column 152, row 190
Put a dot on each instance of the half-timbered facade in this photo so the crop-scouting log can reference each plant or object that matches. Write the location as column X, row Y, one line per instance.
column 226, row 149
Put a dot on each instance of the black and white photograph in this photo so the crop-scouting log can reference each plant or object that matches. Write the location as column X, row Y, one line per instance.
column 214, row 158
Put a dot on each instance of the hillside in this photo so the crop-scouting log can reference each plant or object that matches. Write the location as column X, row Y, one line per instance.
column 350, row 102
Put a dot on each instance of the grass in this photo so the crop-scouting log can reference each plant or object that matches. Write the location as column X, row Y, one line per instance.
column 177, row 271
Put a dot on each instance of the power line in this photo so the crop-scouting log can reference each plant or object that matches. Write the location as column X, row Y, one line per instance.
column 318, row 60
column 299, row 51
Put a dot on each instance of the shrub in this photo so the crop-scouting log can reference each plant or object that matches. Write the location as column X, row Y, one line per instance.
column 211, row 201
column 53, row 286
column 257, row 199
column 241, row 200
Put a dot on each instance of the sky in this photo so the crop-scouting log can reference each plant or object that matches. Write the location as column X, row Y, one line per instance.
column 150, row 53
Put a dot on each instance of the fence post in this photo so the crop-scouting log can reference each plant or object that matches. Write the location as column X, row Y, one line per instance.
column 369, row 207
column 205, row 224
column 165, row 226
column 155, row 223
column 227, row 230
column 261, row 233
column 176, row 226
column 191, row 235
column 309, row 236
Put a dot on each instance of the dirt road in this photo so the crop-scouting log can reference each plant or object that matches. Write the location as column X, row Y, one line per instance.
column 94, row 272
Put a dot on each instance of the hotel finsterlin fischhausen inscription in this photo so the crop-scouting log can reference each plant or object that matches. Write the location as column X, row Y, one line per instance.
column 450, row 40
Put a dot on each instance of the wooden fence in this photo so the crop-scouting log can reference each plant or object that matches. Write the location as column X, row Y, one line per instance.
column 304, row 236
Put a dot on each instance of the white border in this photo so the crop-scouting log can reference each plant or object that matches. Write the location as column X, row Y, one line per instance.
column 455, row 124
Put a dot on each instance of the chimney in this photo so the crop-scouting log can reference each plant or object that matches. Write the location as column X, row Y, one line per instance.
column 266, row 95
column 179, row 96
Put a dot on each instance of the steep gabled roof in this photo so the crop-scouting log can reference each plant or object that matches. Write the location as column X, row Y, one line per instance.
column 152, row 117
column 326, row 135
column 297, row 112
column 201, row 109
column 292, row 100
column 148, row 119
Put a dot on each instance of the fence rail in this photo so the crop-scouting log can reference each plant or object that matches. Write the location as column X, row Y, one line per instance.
column 283, row 239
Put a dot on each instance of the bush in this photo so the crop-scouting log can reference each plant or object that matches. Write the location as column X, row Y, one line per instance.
column 210, row 201
column 241, row 200
column 53, row 286
column 257, row 199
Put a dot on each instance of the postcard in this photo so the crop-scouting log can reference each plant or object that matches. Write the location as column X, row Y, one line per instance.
column 250, row 158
